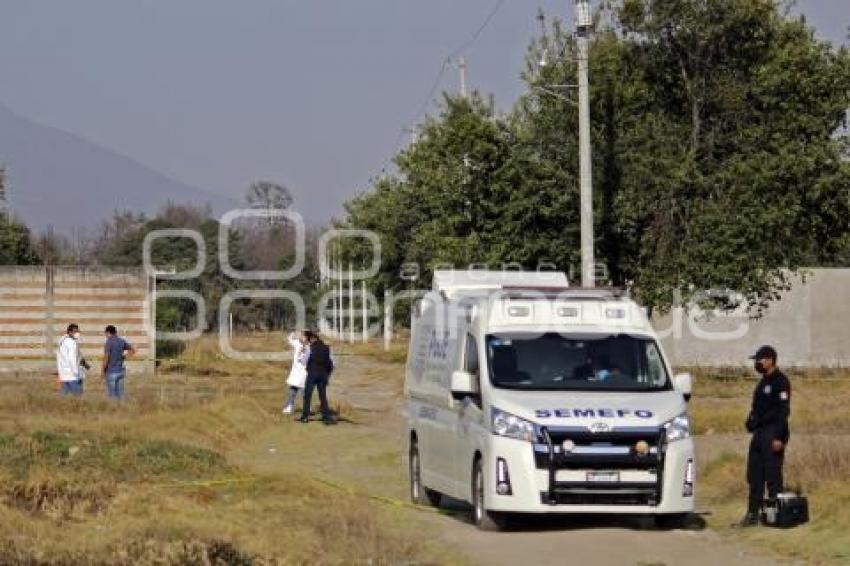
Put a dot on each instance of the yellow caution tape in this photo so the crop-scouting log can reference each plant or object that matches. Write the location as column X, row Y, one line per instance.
column 379, row 498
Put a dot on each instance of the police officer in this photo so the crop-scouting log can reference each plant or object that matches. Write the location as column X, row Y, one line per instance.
column 768, row 423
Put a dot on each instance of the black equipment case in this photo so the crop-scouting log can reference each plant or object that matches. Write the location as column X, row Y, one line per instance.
column 789, row 509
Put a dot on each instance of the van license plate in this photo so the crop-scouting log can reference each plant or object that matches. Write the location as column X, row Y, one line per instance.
column 603, row 477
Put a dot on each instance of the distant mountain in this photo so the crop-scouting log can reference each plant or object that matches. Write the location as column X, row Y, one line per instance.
column 57, row 178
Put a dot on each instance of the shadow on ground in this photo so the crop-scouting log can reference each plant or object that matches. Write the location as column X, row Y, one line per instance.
column 518, row 522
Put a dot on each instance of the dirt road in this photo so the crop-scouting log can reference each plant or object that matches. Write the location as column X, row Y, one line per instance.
column 364, row 454
column 599, row 542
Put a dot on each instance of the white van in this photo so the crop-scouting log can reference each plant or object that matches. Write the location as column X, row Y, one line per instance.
column 524, row 395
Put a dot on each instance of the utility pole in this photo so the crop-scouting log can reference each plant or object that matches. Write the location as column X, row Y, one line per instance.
column 332, row 285
column 583, row 24
column 388, row 318
column 49, row 290
column 414, row 134
column 364, row 312
column 339, row 298
column 461, row 65
column 351, row 318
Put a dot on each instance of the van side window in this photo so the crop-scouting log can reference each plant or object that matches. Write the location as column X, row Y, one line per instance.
column 655, row 365
column 470, row 357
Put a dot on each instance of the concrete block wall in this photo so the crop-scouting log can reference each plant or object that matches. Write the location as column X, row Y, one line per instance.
column 38, row 303
column 809, row 326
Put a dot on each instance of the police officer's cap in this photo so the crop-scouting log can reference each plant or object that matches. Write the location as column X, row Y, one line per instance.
column 764, row 352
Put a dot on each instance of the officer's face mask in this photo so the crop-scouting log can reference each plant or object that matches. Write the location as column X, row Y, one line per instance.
column 759, row 367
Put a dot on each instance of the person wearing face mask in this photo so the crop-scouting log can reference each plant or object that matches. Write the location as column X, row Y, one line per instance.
column 69, row 362
column 298, row 370
column 768, row 424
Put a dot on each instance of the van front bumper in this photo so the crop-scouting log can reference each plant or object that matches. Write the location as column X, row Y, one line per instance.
column 540, row 484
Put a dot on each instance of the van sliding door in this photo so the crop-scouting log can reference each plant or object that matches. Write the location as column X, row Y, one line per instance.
column 469, row 421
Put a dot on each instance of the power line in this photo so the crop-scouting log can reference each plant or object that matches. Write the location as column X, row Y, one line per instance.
column 454, row 53
column 425, row 103
column 479, row 31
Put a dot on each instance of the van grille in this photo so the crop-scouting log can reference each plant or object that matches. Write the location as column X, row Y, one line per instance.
column 613, row 450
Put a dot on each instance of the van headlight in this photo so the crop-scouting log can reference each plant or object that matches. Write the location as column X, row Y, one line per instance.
column 511, row 426
column 678, row 428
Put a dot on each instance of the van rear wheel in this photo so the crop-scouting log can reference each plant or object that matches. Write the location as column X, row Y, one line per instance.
column 420, row 494
column 483, row 519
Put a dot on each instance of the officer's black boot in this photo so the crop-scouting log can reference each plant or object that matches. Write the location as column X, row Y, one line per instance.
column 751, row 519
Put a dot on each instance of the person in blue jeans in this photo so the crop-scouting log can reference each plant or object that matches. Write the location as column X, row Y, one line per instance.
column 115, row 351
column 71, row 367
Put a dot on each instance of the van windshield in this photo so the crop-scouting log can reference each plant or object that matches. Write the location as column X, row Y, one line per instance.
column 592, row 362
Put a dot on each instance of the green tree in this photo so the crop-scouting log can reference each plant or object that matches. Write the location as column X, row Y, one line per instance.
column 720, row 158
column 440, row 208
column 179, row 254
column 16, row 246
column 746, row 177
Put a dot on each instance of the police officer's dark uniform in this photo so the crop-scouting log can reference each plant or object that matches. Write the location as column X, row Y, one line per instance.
column 319, row 368
column 768, row 422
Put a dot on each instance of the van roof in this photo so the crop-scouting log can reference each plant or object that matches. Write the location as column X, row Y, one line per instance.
column 451, row 282
column 519, row 301
column 572, row 293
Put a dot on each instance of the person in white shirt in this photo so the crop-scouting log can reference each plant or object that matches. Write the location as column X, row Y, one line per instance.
column 298, row 371
column 69, row 363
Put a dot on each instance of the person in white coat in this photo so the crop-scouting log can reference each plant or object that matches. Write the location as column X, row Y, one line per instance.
column 298, row 372
column 69, row 363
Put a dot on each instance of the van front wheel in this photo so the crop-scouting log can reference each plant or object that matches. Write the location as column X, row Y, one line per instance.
column 483, row 519
column 418, row 493
column 674, row 521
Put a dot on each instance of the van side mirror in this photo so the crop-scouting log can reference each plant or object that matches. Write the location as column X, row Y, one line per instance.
column 463, row 385
column 683, row 382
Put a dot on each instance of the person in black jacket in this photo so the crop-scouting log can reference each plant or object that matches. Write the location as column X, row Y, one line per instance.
column 319, row 367
column 768, row 424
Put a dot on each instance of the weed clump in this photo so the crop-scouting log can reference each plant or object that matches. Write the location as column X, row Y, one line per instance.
column 184, row 552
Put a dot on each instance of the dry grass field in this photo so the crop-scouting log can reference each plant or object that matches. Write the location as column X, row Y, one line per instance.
column 197, row 467
column 817, row 459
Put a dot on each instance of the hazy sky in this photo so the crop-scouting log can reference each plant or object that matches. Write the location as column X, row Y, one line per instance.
column 311, row 93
